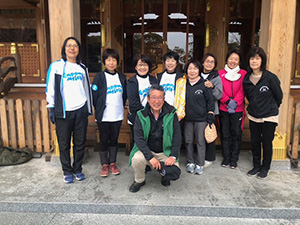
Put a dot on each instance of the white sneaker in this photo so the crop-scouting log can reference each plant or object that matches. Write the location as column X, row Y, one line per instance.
column 190, row 167
column 208, row 163
column 198, row 169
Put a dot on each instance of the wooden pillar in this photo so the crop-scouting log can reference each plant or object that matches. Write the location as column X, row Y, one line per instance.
column 112, row 27
column 42, row 38
column 277, row 39
column 217, row 23
column 64, row 19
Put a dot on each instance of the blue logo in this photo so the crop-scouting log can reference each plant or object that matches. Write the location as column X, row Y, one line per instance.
column 114, row 89
column 144, row 92
column 73, row 76
column 168, row 87
column 95, row 87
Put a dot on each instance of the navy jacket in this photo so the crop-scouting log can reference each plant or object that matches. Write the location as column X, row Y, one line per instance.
column 133, row 96
column 99, row 93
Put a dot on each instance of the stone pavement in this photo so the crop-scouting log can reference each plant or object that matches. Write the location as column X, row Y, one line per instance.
column 34, row 193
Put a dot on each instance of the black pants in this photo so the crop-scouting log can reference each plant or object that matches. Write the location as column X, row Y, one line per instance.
column 210, row 152
column 231, row 136
column 262, row 133
column 74, row 124
column 109, row 134
column 132, row 136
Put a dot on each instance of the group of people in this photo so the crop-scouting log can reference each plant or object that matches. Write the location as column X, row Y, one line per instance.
column 163, row 110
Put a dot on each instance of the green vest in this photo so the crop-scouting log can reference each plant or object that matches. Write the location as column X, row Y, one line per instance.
column 167, row 134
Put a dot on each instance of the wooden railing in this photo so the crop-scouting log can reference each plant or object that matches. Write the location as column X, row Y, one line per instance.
column 25, row 123
column 9, row 73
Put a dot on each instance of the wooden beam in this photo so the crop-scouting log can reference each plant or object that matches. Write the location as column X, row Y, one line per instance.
column 187, row 31
column 143, row 27
column 165, row 26
column 295, row 142
column 64, row 19
column 254, row 23
column 16, row 4
column 277, row 39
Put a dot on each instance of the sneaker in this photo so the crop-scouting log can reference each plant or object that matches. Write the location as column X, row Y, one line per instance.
column 233, row 166
column 224, row 165
column 79, row 176
column 190, row 167
column 68, row 178
column 114, row 169
column 208, row 163
column 198, row 169
column 104, row 171
column 253, row 172
column 262, row 174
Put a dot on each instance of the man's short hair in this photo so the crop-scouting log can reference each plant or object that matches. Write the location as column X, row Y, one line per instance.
column 155, row 87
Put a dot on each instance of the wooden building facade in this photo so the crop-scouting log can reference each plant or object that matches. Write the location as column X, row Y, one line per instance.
column 190, row 27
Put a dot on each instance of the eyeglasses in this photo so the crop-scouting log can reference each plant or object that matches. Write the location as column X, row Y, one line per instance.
column 142, row 65
column 209, row 62
column 72, row 46
column 156, row 98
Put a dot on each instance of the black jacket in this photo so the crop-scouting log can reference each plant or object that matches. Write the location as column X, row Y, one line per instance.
column 265, row 97
column 155, row 139
column 199, row 101
column 178, row 75
column 133, row 96
column 99, row 90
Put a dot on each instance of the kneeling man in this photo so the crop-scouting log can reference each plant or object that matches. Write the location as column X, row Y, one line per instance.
column 157, row 138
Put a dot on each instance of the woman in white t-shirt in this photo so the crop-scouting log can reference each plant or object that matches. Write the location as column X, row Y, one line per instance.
column 167, row 79
column 138, row 86
column 69, row 99
column 109, row 97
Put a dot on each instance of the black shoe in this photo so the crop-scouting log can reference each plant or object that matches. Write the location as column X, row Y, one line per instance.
column 147, row 169
column 262, row 174
column 135, row 187
column 233, row 166
column 253, row 172
column 225, row 164
column 165, row 182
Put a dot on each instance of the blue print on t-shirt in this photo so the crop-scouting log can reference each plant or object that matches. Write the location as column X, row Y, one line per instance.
column 144, row 92
column 73, row 76
column 168, row 87
column 114, row 89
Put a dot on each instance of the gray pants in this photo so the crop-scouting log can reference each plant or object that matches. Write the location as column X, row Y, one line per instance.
column 195, row 130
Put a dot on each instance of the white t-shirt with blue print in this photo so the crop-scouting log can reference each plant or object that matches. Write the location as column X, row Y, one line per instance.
column 168, row 83
column 72, row 86
column 144, row 85
column 114, row 110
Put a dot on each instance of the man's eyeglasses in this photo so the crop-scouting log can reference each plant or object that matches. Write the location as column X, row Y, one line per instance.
column 72, row 46
column 156, row 98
